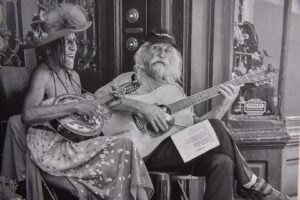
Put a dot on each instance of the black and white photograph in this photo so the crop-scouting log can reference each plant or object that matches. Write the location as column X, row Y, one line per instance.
column 149, row 99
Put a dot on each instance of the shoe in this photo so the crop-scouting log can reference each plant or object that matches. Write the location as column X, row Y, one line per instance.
column 249, row 194
column 261, row 191
column 276, row 195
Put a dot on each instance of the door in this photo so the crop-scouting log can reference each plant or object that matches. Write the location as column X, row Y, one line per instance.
column 122, row 25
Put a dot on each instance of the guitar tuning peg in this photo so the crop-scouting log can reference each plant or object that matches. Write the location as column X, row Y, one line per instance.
column 271, row 68
column 135, row 80
column 133, row 77
column 114, row 88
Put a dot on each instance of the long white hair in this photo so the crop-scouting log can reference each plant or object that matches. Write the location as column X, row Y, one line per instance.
column 174, row 69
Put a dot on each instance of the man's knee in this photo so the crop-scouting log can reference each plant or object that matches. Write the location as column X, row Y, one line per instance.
column 224, row 163
column 214, row 164
column 218, row 125
column 221, row 130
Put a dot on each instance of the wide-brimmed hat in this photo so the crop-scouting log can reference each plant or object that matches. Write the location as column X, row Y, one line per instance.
column 161, row 36
column 58, row 22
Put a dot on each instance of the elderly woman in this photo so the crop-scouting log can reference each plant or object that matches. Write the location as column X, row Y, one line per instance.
column 99, row 168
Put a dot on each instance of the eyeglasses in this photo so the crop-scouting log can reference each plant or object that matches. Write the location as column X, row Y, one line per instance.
column 161, row 48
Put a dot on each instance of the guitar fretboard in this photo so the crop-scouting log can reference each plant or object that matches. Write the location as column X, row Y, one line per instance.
column 123, row 89
column 205, row 95
column 104, row 99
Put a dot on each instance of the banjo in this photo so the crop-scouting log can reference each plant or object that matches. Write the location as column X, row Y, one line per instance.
column 78, row 127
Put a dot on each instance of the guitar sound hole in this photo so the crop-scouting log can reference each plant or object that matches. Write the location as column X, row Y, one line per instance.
column 169, row 119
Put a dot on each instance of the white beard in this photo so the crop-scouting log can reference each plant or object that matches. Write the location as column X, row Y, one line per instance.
column 162, row 72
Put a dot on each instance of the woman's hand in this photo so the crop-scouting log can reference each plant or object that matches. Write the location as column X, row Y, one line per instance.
column 86, row 108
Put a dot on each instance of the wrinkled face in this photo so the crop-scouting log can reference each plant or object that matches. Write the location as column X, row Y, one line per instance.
column 160, row 60
column 70, row 50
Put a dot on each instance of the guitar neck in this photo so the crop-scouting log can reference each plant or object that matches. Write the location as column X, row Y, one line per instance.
column 205, row 95
column 104, row 99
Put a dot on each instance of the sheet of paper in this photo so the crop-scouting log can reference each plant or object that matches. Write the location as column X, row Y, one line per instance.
column 195, row 140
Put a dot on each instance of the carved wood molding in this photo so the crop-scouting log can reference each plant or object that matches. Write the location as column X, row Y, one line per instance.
column 47, row 4
column 118, row 46
column 186, row 47
column 292, row 127
column 166, row 12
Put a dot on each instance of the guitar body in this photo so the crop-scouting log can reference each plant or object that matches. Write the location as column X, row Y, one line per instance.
column 78, row 127
column 122, row 123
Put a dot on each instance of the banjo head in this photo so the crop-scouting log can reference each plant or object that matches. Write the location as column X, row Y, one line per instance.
column 82, row 125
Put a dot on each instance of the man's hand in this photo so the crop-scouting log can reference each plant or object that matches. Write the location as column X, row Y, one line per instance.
column 155, row 116
column 151, row 113
column 230, row 92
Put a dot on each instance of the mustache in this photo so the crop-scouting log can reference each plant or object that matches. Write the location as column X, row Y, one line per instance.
column 159, row 60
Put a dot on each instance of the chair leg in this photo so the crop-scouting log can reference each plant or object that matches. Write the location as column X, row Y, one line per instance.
column 182, row 190
column 50, row 191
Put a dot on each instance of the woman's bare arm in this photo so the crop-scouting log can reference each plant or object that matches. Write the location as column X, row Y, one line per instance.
column 33, row 112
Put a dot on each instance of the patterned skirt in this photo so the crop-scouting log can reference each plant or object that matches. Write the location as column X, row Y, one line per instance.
column 99, row 168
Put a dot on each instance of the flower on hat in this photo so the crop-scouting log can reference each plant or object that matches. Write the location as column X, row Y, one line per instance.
column 38, row 25
column 58, row 22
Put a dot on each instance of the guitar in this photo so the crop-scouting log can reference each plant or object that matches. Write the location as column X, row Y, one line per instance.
column 78, row 127
column 177, row 111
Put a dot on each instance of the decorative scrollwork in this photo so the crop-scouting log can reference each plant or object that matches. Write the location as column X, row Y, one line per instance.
column 88, row 5
column 47, row 4
column 9, row 35
column 9, row 47
column 11, row 184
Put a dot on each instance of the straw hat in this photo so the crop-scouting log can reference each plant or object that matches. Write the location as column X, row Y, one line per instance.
column 56, row 23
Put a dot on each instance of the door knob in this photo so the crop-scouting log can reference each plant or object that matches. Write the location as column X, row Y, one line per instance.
column 132, row 15
column 132, row 44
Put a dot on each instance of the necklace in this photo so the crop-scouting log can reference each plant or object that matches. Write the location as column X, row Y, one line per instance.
column 69, row 77
column 65, row 84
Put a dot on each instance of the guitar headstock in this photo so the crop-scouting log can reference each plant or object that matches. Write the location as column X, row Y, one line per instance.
column 262, row 76
column 128, row 87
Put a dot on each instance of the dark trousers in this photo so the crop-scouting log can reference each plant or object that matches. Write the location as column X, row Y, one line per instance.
column 220, row 165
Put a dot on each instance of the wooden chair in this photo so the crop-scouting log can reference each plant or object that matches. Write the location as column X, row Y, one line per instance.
column 174, row 186
column 13, row 84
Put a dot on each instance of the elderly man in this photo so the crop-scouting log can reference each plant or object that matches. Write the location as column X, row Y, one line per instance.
column 158, row 63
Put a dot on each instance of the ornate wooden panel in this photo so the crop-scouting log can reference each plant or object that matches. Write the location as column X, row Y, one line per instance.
column 9, row 33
